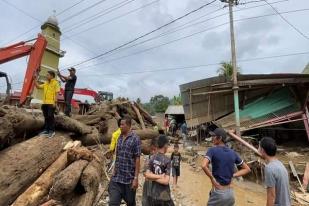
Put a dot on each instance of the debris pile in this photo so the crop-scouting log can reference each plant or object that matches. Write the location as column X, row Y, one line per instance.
column 68, row 169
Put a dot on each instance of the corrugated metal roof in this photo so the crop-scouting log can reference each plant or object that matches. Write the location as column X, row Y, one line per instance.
column 175, row 109
column 277, row 104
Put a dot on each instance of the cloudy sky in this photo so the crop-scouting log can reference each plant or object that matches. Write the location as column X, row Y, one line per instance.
column 187, row 50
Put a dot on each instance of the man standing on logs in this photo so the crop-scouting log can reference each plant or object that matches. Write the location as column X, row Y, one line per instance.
column 50, row 91
column 124, row 181
column 70, row 82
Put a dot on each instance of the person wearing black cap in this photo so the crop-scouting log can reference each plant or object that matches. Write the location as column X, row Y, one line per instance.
column 70, row 82
column 223, row 161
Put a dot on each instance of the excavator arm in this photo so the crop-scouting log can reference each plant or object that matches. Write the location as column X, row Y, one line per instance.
column 21, row 49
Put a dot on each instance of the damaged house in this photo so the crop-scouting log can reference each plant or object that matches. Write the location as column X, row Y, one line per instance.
column 275, row 105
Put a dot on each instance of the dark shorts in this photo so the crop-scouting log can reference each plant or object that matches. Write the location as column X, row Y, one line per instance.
column 176, row 171
column 146, row 199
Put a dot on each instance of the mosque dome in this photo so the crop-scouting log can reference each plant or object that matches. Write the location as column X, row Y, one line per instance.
column 52, row 20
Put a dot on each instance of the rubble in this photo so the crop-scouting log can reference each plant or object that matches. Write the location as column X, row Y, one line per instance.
column 68, row 169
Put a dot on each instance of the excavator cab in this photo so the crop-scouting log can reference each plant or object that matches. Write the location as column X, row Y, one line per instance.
column 104, row 96
column 5, row 97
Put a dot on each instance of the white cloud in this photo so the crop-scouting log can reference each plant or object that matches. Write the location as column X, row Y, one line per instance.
column 255, row 38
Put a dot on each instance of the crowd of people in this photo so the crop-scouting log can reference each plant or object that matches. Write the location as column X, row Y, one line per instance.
column 225, row 163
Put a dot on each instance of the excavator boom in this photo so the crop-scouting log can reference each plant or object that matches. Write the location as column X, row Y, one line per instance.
column 35, row 53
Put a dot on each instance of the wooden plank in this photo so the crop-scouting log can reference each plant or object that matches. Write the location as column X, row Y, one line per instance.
column 296, row 175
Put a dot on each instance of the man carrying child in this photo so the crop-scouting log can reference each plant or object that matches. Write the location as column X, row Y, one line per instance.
column 159, row 172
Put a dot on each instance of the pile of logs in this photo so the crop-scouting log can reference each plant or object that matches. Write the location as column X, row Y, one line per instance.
column 68, row 169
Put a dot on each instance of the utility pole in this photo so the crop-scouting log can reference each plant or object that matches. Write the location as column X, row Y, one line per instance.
column 233, row 51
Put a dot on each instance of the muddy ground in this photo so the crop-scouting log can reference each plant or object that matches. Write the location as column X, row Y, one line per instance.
column 194, row 186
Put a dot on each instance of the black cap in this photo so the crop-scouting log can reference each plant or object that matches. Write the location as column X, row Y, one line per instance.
column 72, row 69
column 219, row 132
column 162, row 141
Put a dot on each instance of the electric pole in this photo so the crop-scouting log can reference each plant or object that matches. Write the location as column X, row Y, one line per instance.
column 233, row 51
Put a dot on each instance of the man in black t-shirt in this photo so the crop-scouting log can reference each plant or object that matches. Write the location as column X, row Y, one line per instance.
column 158, row 171
column 70, row 82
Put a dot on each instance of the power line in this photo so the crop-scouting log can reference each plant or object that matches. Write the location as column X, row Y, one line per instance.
column 197, row 66
column 31, row 29
column 204, row 65
column 181, row 27
column 289, row 23
column 115, row 18
column 63, row 11
column 148, row 33
column 188, row 36
column 80, row 45
column 70, row 7
column 97, row 15
column 20, row 10
column 83, row 10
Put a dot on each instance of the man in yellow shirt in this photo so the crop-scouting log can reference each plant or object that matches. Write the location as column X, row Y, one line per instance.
column 50, row 91
column 115, row 136
column 113, row 145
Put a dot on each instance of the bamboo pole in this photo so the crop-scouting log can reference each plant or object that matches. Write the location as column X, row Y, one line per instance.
column 239, row 139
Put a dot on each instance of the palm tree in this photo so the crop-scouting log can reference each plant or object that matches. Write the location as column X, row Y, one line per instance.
column 226, row 70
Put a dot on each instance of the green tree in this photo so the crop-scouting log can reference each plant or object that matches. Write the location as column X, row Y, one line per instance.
column 176, row 100
column 226, row 70
column 159, row 103
column 149, row 108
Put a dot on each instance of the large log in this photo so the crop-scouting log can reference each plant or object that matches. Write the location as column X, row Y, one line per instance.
column 90, row 179
column 140, row 118
column 23, row 163
column 88, row 135
column 88, row 119
column 35, row 193
column 66, row 181
column 147, row 133
column 69, row 124
column 145, row 114
column 145, row 147
column 15, row 123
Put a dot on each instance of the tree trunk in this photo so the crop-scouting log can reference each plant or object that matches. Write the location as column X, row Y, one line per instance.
column 23, row 163
column 86, row 134
column 35, row 193
column 140, row 118
column 90, row 179
column 16, row 123
column 145, row 114
column 88, row 119
column 69, row 124
column 147, row 133
column 66, row 181
column 146, row 146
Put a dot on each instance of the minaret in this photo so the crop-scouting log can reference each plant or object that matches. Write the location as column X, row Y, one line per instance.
column 50, row 60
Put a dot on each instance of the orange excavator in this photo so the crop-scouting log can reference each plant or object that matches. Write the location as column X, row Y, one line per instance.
column 21, row 49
